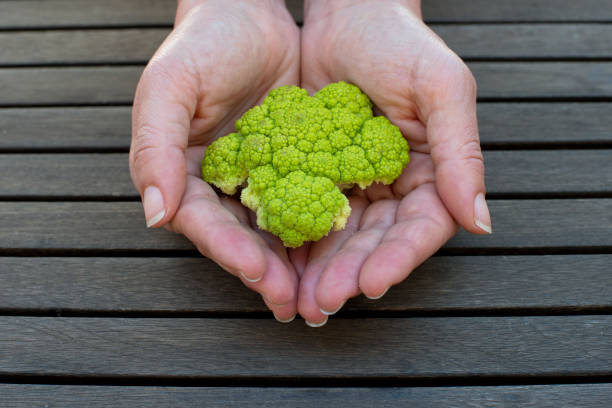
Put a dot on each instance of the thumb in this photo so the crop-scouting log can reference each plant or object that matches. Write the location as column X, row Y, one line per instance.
column 452, row 134
column 163, row 106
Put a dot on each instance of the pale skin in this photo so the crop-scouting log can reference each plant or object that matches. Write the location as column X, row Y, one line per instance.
column 224, row 56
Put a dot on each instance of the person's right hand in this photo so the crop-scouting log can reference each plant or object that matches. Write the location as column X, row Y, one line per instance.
column 222, row 57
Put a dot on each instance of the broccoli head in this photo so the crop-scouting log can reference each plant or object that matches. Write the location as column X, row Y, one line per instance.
column 296, row 152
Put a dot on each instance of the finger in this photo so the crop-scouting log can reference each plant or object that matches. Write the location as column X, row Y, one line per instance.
column 452, row 134
column 280, row 282
column 164, row 104
column 282, row 313
column 299, row 257
column 320, row 253
column 422, row 226
column 217, row 233
column 420, row 170
column 277, row 287
column 339, row 280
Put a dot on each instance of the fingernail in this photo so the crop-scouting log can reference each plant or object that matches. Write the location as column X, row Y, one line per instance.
column 482, row 218
column 311, row 324
column 377, row 297
column 250, row 280
column 325, row 312
column 153, row 203
column 289, row 320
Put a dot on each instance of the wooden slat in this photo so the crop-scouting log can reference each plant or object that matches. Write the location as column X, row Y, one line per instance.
column 109, row 127
column 90, row 85
column 134, row 46
column 527, row 396
column 507, row 172
column 92, row 13
column 117, row 13
column 543, row 123
column 530, row 224
column 234, row 348
column 85, row 13
column 441, row 284
column 516, row 10
column 517, row 224
column 100, row 85
column 469, row 41
column 527, row 41
column 542, row 79
column 548, row 171
column 66, row 175
column 103, row 127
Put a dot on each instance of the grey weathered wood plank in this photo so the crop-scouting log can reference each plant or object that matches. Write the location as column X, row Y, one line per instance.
column 528, row 396
column 80, row 46
column 92, row 13
column 66, row 175
column 543, row 123
column 548, row 171
column 263, row 348
column 68, row 85
column 507, row 172
column 500, row 124
column 543, row 79
column 517, row 224
column 117, row 13
column 441, row 284
column 469, row 41
column 85, row 13
column 507, row 41
column 103, row 85
column 512, row 10
column 100, row 127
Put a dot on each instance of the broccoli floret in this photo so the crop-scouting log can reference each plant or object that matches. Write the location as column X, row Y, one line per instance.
column 296, row 152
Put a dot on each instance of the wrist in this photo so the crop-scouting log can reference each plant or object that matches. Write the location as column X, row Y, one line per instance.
column 318, row 8
column 185, row 6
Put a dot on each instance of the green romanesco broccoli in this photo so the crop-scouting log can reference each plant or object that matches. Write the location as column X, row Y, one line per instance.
column 296, row 152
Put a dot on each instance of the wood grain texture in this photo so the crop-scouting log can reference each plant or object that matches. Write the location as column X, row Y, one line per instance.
column 85, row 13
column 533, row 396
column 517, row 224
column 74, row 175
column 136, row 46
column 105, row 85
column 544, row 123
column 512, row 10
column 74, row 85
column 91, row 13
column 100, row 127
column 543, row 79
column 532, row 224
column 117, row 13
column 441, row 284
column 507, row 41
column 205, row 348
column 107, row 175
column 500, row 124
column 133, row 46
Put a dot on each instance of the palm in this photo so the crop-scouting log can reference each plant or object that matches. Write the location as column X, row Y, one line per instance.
column 392, row 229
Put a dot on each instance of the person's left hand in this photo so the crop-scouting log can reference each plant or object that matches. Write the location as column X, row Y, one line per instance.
column 428, row 92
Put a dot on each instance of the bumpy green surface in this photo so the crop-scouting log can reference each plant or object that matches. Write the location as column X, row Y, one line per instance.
column 296, row 149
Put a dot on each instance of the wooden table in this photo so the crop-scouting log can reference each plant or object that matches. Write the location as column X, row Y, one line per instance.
column 95, row 310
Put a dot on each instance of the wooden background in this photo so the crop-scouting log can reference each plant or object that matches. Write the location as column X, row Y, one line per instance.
column 95, row 310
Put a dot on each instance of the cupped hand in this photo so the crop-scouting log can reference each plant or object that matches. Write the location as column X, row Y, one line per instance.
column 221, row 58
column 415, row 80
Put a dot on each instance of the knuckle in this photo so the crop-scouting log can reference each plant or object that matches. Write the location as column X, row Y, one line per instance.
column 144, row 144
column 471, row 154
